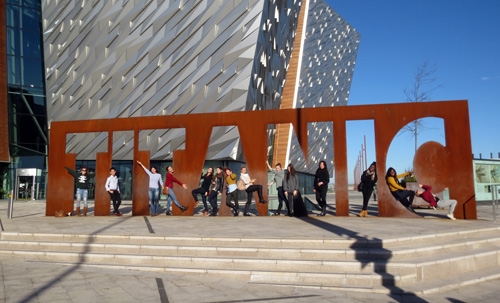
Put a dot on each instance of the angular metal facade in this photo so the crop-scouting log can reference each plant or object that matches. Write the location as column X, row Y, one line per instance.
column 122, row 58
column 328, row 60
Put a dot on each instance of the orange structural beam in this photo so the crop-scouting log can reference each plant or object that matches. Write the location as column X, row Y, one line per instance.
column 453, row 161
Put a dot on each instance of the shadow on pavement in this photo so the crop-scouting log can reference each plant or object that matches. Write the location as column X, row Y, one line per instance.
column 32, row 297
column 388, row 280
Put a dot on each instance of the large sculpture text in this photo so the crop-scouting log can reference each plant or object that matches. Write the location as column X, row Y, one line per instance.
column 445, row 166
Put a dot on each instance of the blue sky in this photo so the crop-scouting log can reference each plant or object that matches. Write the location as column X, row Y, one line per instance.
column 462, row 37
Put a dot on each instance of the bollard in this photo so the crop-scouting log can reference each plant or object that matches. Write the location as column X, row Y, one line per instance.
column 11, row 205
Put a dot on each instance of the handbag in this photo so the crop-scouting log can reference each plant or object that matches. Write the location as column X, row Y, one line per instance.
column 165, row 191
column 240, row 184
column 360, row 186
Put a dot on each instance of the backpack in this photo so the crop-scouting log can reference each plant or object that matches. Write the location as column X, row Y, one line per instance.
column 240, row 184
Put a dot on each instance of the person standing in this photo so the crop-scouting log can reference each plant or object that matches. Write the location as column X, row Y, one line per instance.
column 232, row 191
column 321, row 180
column 368, row 179
column 424, row 191
column 217, row 185
column 279, row 174
column 203, row 190
column 82, row 188
column 250, row 188
column 113, row 190
column 169, row 182
column 403, row 195
column 291, row 188
column 154, row 189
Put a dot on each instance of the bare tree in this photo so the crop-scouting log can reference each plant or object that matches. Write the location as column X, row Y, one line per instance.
column 423, row 86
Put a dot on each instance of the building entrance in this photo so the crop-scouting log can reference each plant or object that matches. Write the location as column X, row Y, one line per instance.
column 27, row 185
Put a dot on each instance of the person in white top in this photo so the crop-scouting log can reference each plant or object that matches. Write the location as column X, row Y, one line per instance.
column 154, row 189
column 250, row 188
column 114, row 191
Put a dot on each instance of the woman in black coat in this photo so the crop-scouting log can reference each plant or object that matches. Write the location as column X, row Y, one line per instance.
column 368, row 179
column 321, row 179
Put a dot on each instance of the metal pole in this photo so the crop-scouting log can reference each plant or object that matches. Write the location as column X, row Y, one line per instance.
column 364, row 153
column 494, row 199
column 11, row 204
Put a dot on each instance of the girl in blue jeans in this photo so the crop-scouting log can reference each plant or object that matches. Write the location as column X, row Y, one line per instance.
column 154, row 189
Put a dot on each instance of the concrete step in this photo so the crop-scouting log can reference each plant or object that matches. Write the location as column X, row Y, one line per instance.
column 309, row 243
column 426, row 268
column 409, row 251
column 300, row 279
column 421, row 288
column 374, row 265
column 204, row 262
column 276, row 253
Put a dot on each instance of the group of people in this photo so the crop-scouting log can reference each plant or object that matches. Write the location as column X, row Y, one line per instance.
column 287, row 186
column 288, row 189
column 399, row 191
column 155, row 185
column 112, row 187
column 249, row 186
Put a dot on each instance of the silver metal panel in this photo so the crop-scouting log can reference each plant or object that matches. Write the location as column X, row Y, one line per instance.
column 119, row 58
column 328, row 62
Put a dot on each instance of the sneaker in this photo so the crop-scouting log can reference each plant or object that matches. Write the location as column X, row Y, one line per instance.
column 118, row 214
column 168, row 213
column 183, row 208
column 451, row 216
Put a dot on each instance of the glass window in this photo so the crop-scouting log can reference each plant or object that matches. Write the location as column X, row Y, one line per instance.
column 14, row 68
column 32, row 73
column 26, row 133
column 12, row 16
column 17, row 104
column 39, row 101
column 30, row 19
column 30, row 3
column 31, row 44
column 13, row 41
column 34, row 91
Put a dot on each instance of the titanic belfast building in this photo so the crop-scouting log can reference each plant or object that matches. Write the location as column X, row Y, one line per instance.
column 104, row 59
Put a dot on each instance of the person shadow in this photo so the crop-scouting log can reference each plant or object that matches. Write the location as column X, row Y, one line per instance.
column 364, row 248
